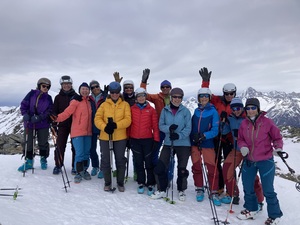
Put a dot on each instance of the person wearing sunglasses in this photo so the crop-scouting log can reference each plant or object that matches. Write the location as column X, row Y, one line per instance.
column 112, row 119
column 235, row 157
column 61, row 102
column 97, row 97
column 259, row 138
column 224, row 141
column 205, row 126
column 175, row 122
column 36, row 108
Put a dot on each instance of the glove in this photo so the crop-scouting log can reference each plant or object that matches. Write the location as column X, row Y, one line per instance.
column 117, row 77
column 244, row 151
column 35, row 119
column 174, row 136
column 223, row 115
column 277, row 152
column 155, row 145
column 145, row 76
column 26, row 117
column 108, row 129
column 173, row 127
column 105, row 91
column 128, row 144
column 205, row 74
column 77, row 97
column 235, row 132
column 198, row 138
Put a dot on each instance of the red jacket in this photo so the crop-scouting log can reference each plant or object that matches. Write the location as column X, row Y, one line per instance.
column 144, row 122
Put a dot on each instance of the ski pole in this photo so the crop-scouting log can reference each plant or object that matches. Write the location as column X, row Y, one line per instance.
column 127, row 167
column 26, row 148
column 111, row 149
column 172, row 168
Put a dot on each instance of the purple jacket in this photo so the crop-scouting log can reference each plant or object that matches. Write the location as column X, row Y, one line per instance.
column 42, row 108
column 260, row 137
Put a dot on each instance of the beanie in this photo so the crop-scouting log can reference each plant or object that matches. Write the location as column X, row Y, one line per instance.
column 84, row 84
column 236, row 102
column 94, row 82
column 177, row 91
column 165, row 83
column 253, row 101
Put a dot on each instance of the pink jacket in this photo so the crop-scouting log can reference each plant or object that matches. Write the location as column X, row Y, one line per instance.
column 261, row 137
column 81, row 113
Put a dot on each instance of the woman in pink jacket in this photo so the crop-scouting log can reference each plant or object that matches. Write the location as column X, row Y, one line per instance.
column 259, row 138
column 81, row 130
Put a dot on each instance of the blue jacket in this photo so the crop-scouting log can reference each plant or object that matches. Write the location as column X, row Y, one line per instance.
column 234, row 124
column 205, row 120
column 182, row 118
column 96, row 101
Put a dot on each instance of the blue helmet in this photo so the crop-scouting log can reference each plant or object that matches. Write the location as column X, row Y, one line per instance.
column 114, row 86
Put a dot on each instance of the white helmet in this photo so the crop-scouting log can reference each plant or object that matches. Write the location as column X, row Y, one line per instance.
column 204, row 91
column 230, row 87
column 126, row 82
column 140, row 91
column 65, row 79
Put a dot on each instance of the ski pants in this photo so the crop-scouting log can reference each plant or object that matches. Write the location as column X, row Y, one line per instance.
column 142, row 151
column 82, row 145
column 162, row 167
column 120, row 160
column 93, row 153
column 62, row 139
column 266, row 169
column 42, row 136
column 208, row 155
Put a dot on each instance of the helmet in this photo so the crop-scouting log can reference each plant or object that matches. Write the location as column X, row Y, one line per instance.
column 230, row 87
column 44, row 81
column 65, row 79
column 204, row 91
column 114, row 86
column 140, row 91
column 128, row 82
column 177, row 91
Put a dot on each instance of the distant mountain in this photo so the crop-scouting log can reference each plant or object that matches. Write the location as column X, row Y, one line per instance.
column 283, row 108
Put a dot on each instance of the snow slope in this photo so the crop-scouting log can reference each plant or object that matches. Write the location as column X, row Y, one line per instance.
column 45, row 202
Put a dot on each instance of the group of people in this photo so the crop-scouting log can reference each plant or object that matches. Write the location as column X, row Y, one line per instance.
column 221, row 135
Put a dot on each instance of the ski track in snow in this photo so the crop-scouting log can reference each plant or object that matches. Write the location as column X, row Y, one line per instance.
column 44, row 201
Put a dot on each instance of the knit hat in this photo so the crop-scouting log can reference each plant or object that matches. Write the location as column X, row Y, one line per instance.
column 253, row 101
column 177, row 91
column 165, row 83
column 236, row 102
column 94, row 82
column 84, row 84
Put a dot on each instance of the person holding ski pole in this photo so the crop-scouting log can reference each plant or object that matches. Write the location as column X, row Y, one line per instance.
column 205, row 126
column 36, row 108
column 97, row 97
column 81, row 130
column 112, row 119
column 235, row 157
column 223, row 141
column 144, row 136
column 61, row 102
column 259, row 138
column 175, row 122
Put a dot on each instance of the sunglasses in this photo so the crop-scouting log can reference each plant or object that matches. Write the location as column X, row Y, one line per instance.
column 204, row 95
column 251, row 107
column 229, row 93
column 162, row 87
column 179, row 97
column 128, row 87
column 93, row 87
column 114, row 92
column 236, row 108
column 45, row 86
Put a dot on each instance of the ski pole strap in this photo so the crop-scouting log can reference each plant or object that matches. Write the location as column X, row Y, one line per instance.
column 283, row 155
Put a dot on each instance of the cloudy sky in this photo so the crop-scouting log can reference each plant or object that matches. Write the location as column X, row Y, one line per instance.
column 249, row 43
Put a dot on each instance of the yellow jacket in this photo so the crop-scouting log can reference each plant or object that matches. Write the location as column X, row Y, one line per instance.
column 121, row 114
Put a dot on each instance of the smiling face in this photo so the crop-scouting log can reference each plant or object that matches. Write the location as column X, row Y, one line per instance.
column 176, row 99
column 203, row 99
column 45, row 88
column 252, row 111
column 84, row 91
column 66, row 86
column 229, row 96
column 95, row 89
column 165, row 89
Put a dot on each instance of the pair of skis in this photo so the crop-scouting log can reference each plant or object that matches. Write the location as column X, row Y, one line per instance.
column 14, row 195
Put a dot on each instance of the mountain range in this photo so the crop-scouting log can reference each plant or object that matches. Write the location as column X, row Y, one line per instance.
column 283, row 108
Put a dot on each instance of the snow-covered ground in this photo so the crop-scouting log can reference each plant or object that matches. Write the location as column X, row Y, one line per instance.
column 45, row 202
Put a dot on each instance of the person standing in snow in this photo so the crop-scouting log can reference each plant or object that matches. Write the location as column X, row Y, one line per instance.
column 205, row 126
column 97, row 97
column 259, row 138
column 61, row 102
column 223, row 142
column 36, row 108
column 235, row 157
column 175, row 122
column 113, row 118
column 144, row 136
column 81, row 130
